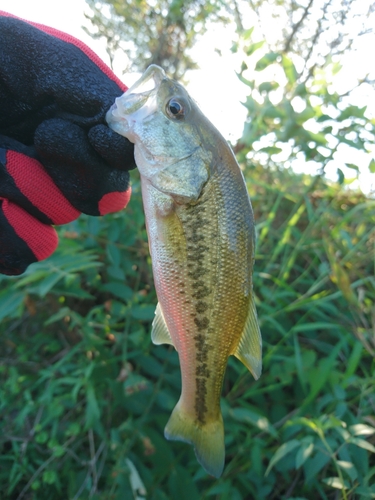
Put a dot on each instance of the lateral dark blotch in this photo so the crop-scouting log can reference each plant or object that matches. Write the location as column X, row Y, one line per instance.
column 202, row 371
column 201, row 386
column 201, row 292
column 202, row 324
column 197, row 273
column 200, row 402
column 202, row 356
column 201, row 307
column 199, row 284
column 196, row 237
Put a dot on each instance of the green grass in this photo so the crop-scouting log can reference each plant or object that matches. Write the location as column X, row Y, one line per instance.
column 85, row 396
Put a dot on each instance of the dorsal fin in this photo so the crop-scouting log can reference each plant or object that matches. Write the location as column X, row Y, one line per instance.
column 160, row 333
column 249, row 349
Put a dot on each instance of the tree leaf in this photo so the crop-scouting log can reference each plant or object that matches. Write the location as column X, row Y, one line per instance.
column 246, row 34
column 253, row 47
column 49, row 476
column 268, row 86
column 144, row 312
column 300, row 90
column 181, row 484
column 266, row 60
column 341, row 176
column 352, row 112
column 362, row 430
column 349, row 468
column 9, row 303
column 248, row 416
column 119, row 290
column 307, row 447
column 362, row 444
column 281, row 452
column 47, row 284
column 271, row 150
column 289, row 69
column 114, row 254
column 351, row 165
column 136, row 483
column 313, row 466
column 336, row 482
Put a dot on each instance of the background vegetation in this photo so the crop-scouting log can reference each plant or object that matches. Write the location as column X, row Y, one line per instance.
column 84, row 395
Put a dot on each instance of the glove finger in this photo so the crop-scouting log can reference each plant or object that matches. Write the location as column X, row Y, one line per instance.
column 64, row 79
column 116, row 150
column 90, row 184
column 24, row 239
column 24, row 181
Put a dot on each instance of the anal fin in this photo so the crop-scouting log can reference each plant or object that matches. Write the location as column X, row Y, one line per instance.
column 249, row 349
column 160, row 333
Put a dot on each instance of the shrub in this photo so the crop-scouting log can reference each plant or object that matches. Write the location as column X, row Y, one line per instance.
column 84, row 395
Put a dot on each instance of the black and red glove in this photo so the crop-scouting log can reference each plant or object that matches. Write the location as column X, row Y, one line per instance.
column 58, row 157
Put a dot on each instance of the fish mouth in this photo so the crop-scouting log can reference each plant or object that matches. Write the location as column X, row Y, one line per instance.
column 137, row 95
column 149, row 81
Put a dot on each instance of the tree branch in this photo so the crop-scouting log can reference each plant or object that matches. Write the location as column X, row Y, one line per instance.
column 297, row 26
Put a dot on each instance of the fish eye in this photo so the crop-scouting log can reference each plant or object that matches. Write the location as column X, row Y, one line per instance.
column 175, row 108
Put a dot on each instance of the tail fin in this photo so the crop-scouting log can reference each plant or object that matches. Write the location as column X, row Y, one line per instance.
column 207, row 439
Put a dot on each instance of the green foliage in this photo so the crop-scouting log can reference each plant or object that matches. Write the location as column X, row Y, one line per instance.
column 311, row 32
column 300, row 120
column 84, row 395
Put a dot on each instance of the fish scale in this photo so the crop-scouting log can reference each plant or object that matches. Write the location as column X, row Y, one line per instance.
column 201, row 236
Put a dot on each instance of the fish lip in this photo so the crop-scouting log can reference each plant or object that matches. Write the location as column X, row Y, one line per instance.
column 136, row 96
column 152, row 72
column 139, row 93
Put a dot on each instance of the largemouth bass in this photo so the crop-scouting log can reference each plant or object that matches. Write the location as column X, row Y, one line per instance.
column 201, row 236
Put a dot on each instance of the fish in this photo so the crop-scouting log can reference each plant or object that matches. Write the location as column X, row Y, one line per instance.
column 201, row 234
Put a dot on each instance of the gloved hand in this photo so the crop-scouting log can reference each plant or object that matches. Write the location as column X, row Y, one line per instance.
column 58, row 157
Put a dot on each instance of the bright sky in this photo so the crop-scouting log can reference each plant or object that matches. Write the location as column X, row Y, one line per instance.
column 214, row 86
column 218, row 93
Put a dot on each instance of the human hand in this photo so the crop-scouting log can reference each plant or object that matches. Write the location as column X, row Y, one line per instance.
column 58, row 157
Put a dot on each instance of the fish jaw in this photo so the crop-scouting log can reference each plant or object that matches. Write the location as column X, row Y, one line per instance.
column 136, row 104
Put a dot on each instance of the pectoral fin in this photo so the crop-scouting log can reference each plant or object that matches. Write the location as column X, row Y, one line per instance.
column 160, row 333
column 249, row 349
